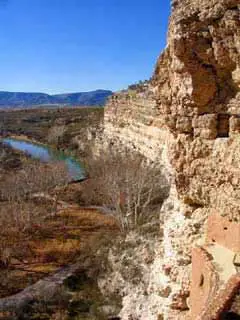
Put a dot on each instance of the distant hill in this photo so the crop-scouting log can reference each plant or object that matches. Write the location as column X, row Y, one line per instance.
column 24, row 99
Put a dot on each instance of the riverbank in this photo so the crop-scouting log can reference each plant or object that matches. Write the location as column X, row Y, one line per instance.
column 62, row 234
column 46, row 153
column 23, row 137
column 80, row 126
column 56, row 232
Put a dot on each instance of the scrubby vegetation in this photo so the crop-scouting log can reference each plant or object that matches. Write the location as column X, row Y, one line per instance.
column 139, row 86
column 127, row 185
column 39, row 232
column 49, row 223
column 43, row 124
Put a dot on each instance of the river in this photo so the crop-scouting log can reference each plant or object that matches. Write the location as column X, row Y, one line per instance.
column 45, row 153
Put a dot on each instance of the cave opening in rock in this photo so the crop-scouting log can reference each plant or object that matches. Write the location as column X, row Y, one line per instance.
column 223, row 126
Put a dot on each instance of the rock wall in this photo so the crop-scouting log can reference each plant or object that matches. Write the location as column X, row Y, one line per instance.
column 198, row 99
column 129, row 121
column 189, row 117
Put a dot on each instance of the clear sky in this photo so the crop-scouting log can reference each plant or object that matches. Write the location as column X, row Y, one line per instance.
column 57, row 46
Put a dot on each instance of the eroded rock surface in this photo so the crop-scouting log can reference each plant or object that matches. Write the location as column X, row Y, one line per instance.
column 189, row 117
column 198, row 81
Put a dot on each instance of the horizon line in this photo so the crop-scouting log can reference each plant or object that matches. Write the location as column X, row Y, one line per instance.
column 59, row 93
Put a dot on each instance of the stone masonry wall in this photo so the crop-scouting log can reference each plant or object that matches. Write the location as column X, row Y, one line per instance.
column 204, row 280
column 223, row 301
column 224, row 232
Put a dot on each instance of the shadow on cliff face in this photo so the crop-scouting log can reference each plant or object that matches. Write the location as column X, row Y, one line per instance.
column 230, row 316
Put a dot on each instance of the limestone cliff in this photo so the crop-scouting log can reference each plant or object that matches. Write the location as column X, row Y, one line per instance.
column 198, row 81
column 130, row 120
column 189, row 117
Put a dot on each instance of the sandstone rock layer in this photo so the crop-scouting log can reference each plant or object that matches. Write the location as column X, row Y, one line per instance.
column 188, row 117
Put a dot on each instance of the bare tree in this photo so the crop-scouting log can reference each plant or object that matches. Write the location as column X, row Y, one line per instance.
column 34, row 178
column 19, row 209
column 18, row 190
column 56, row 133
column 127, row 185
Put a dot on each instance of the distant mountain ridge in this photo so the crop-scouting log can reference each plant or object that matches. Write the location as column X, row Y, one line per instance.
column 25, row 99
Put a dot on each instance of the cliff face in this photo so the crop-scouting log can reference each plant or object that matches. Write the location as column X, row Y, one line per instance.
column 130, row 120
column 198, row 99
column 189, row 117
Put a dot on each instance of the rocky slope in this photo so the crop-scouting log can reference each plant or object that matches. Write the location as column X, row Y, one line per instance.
column 189, row 117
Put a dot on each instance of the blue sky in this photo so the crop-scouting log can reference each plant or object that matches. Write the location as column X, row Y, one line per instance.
column 57, row 46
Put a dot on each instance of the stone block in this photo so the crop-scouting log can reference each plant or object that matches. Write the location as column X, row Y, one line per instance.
column 223, row 125
column 205, row 126
column 209, row 134
column 184, row 124
column 206, row 121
